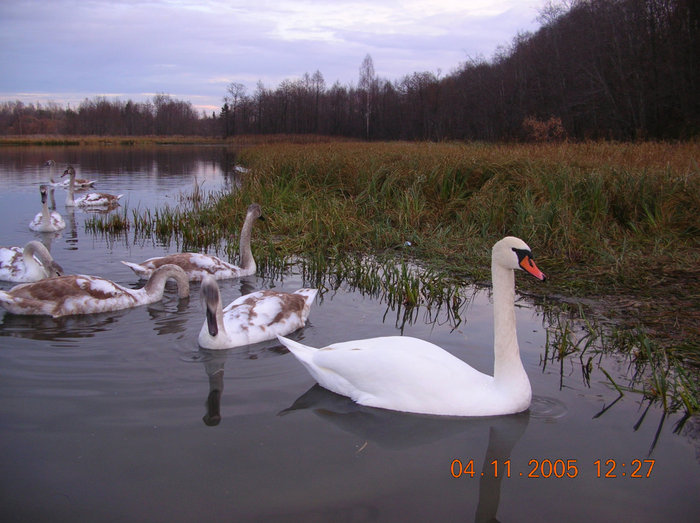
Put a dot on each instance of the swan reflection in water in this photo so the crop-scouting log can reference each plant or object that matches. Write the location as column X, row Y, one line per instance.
column 47, row 328
column 168, row 315
column 214, row 361
column 214, row 367
column 390, row 429
column 397, row 430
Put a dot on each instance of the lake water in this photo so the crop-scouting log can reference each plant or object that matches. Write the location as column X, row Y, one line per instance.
column 106, row 418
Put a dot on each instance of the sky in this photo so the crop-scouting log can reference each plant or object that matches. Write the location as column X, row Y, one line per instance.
column 64, row 51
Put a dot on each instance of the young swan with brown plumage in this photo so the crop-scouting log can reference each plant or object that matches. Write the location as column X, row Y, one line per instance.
column 81, row 294
column 33, row 263
column 252, row 318
column 411, row 375
column 99, row 200
column 196, row 265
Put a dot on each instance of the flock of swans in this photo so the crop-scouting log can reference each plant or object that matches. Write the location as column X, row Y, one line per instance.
column 398, row 373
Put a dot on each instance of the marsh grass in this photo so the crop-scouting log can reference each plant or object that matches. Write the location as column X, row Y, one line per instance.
column 114, row 223
column 614, row 223
column 655, row 372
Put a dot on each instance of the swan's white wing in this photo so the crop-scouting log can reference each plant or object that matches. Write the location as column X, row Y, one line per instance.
column 262, row 315
column 196, row 265
column 398, row 373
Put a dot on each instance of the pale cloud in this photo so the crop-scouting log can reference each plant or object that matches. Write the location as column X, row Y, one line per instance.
column 193, row 49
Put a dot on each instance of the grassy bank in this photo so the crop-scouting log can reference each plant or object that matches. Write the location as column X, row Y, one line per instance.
column 614, row 226
column 614, row 220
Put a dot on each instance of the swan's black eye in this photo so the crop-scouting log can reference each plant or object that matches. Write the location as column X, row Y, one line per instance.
column 522, row 254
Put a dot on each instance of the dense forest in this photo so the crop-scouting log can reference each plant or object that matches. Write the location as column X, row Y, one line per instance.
column 596, row 69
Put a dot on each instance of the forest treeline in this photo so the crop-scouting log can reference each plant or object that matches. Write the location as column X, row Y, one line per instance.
column 596, row 69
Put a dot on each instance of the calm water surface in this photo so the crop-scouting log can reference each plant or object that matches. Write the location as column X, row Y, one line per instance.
column 106, row 417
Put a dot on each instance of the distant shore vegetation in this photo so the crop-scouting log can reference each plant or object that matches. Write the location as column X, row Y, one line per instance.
column 595, row 70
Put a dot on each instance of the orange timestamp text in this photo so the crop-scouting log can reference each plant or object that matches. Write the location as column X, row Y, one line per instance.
column 554, row 468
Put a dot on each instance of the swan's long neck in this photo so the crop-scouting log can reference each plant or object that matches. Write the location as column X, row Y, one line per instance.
column 45, row 215
column 30, row 262
column 52, row 198
column 70, row 202
column 247, row 261
column 218, row 317
column 214, row 310
column 507, row 364
column 153, row 290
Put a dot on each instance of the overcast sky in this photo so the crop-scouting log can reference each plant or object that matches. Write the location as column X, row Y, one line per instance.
column 66, row 50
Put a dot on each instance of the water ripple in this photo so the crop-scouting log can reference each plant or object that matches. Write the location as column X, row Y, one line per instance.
column 543, row 408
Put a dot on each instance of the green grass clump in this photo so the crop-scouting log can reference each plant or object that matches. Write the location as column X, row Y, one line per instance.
column 112, row 224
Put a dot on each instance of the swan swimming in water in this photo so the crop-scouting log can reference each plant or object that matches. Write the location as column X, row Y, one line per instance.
column 46, row 220
column 252, row 318
column 197, row 265
column 81, row 294
column 412, row 375
column 93, row 199
column 33, row 263
column 80, row 183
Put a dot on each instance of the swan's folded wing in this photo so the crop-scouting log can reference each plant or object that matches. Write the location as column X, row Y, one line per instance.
column 263, row 315
column 398, row 373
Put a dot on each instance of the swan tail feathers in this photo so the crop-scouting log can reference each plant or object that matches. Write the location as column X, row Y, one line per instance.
column 138, row 269
column 301, row 351
column 308, row 294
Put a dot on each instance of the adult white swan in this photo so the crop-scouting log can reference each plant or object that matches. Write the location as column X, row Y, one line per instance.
column 197, row 265
column 81, row 294
column 252, row 318
column 46, row 220
column 411, row 375
column 93, row 199
column 33, row 263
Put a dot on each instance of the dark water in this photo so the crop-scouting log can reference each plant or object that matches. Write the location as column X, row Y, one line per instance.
column 105, row 417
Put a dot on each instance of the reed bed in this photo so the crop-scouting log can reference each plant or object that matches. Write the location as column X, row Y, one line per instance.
column 614, row 224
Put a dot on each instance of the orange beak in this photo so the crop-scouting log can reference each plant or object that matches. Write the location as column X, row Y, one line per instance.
column 528, row 264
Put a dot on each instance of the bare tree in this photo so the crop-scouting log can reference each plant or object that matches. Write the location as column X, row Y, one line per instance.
column 234, row 99
column 368, row 81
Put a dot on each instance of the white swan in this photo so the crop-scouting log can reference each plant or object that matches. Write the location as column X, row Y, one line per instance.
column 46, row 220
column 411, row 375
column 80, row 294
column 93, row 199
column 80, row 183
column 33, row 263
column 197, row 265
column 252, row 318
